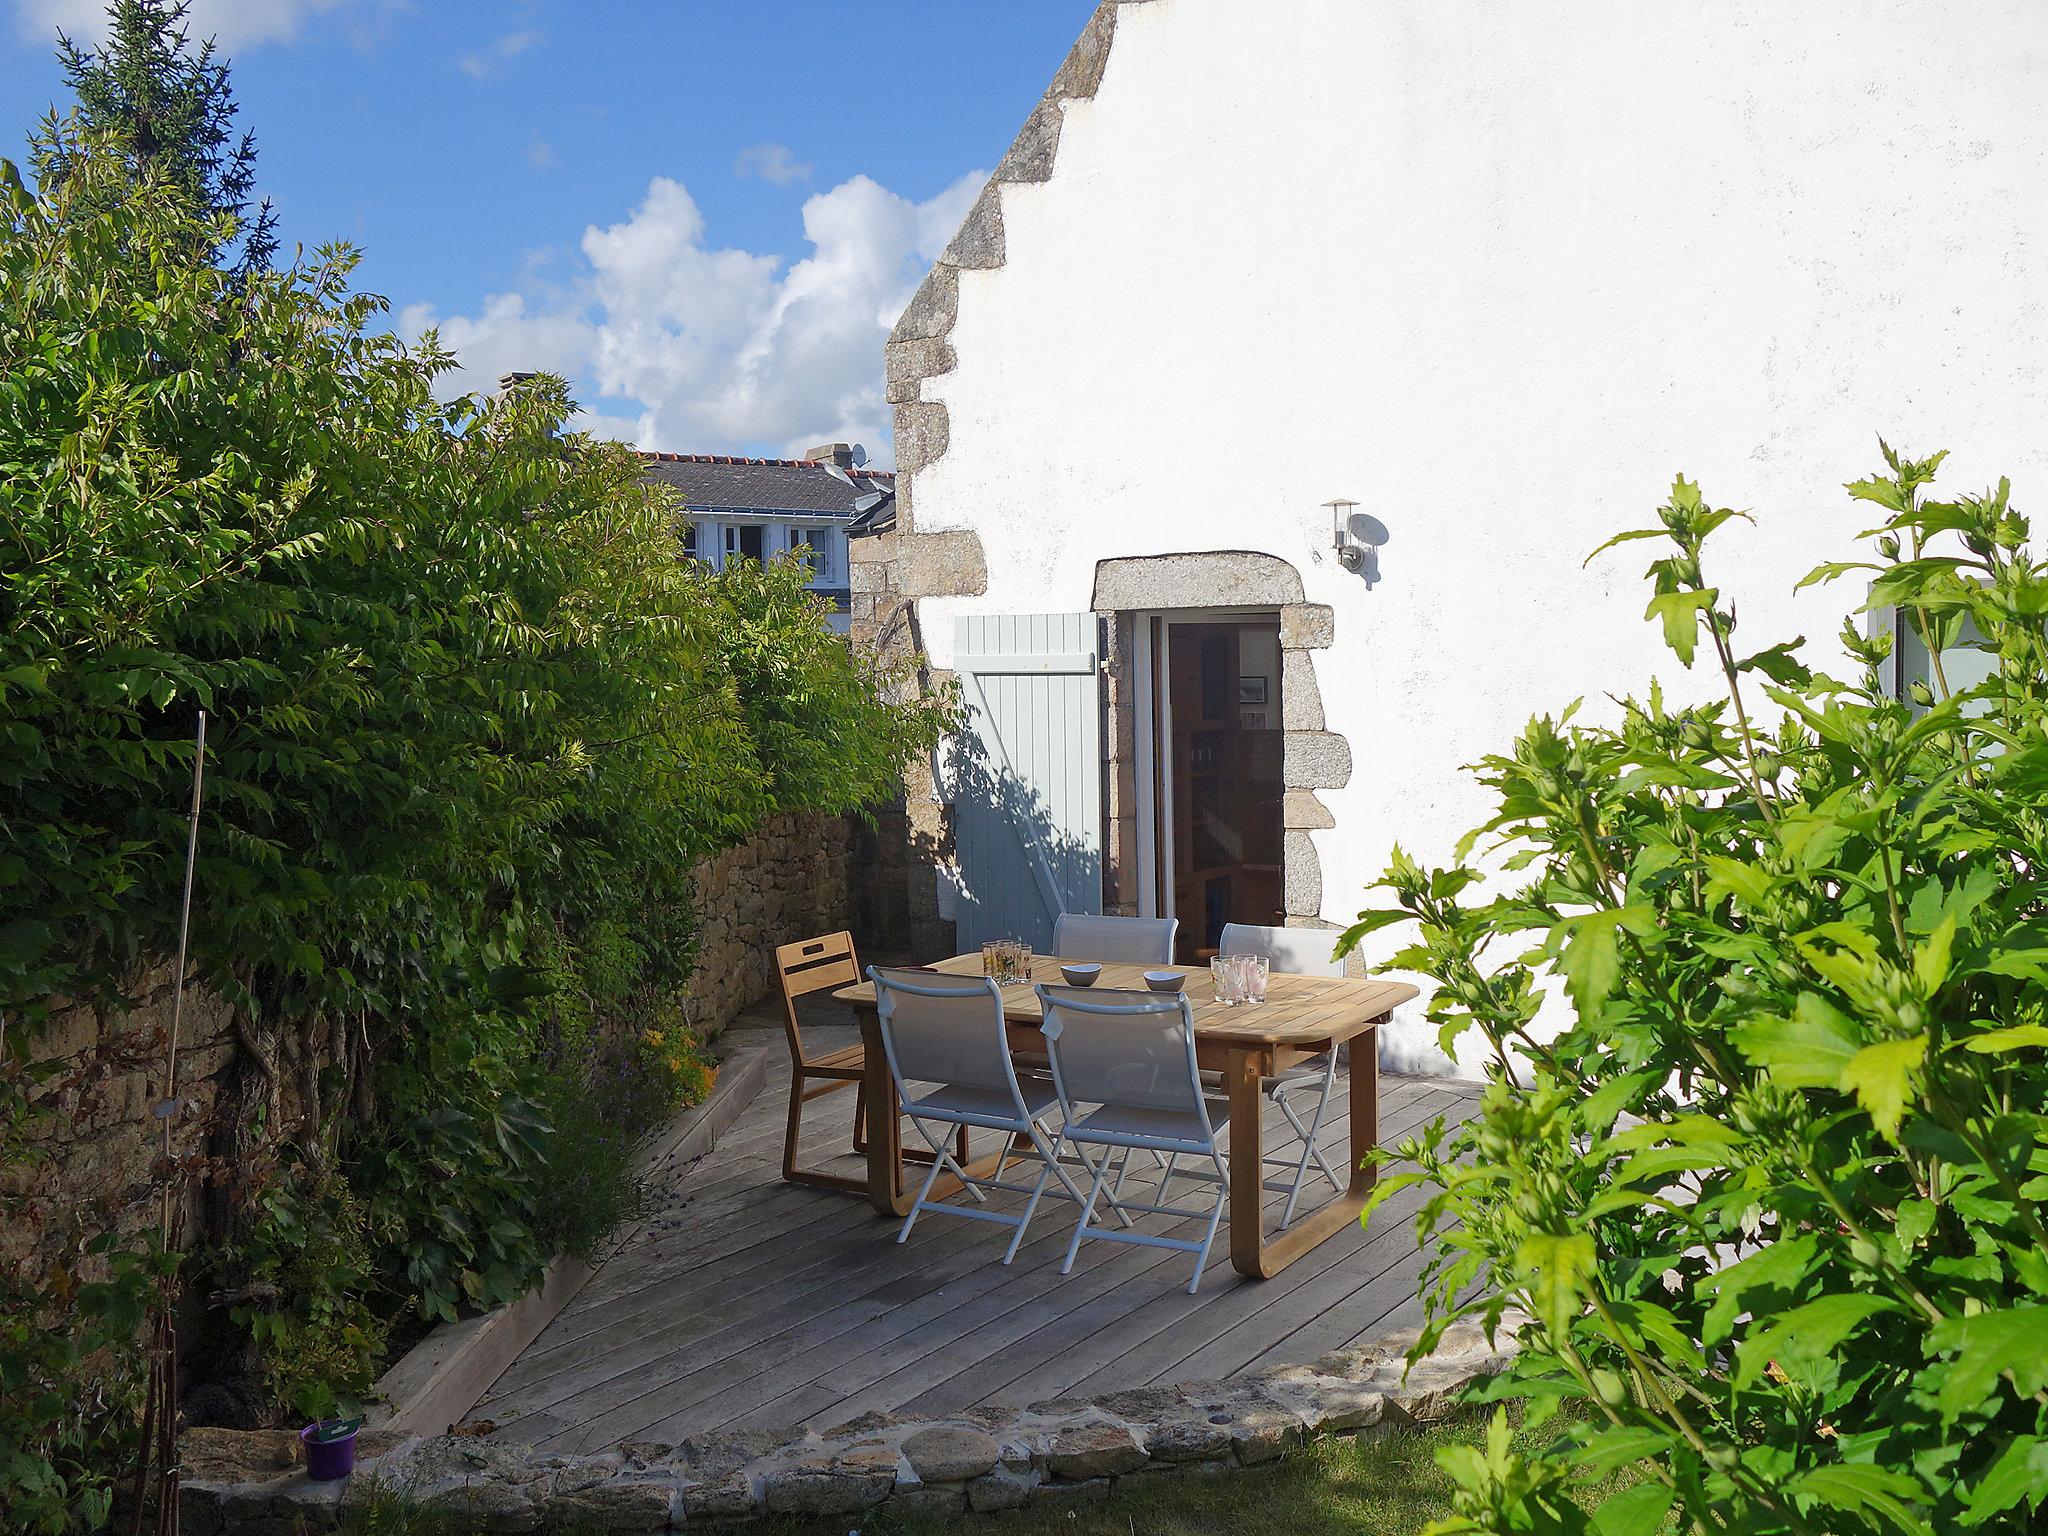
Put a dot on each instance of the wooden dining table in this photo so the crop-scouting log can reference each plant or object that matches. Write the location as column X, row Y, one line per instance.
column 1302, row 1017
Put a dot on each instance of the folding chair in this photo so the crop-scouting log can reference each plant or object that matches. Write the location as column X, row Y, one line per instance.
column 1132, row 1055
column 805, row 967
column 1301, row 952
column 1131, row 940
column 947, row 1032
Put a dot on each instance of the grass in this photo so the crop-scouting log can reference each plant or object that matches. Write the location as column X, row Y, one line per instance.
column 1385, row 1485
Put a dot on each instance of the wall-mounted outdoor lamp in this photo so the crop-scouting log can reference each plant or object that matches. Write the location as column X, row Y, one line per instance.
column 1352, row 547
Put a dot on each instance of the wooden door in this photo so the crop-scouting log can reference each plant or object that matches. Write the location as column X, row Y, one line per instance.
column 1224, row 687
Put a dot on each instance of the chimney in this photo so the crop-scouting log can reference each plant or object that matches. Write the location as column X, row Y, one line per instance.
column 832, row 453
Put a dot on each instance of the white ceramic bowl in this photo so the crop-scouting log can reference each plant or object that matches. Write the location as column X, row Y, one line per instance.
column 1166, row 981
column 1081, row 973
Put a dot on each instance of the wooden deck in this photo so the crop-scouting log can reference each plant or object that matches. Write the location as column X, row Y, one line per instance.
column 747, row 1303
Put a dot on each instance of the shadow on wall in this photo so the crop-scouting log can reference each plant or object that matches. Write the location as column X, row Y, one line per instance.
column 1008, row 847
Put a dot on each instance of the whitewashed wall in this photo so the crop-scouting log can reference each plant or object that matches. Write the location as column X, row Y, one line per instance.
column 1495, row 271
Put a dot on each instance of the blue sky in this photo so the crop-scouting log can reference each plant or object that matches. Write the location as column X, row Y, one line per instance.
column 705, row 212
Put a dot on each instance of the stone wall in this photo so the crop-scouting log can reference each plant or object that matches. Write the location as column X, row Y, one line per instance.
column 93, row 1155
column 791, row 880
column 1063, row 1450
column 96, row 1138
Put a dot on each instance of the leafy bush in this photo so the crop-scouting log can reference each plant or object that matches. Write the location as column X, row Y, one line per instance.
column 473, row 719
column 308, row 1277
column 1775, row 1195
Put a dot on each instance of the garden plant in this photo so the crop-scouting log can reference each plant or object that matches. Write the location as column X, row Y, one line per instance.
column 473, row 719
column 1776, row 1193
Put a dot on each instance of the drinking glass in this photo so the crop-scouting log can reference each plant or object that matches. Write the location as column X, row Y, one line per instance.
column 1229, row 984
column 992, row 958
column 1256, row 969
column 1023, row 960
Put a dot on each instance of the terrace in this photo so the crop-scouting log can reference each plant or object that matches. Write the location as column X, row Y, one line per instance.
column 744, row 1303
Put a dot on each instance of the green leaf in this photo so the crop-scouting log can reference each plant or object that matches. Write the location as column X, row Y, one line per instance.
column 2013, row 1037
column 1865, row 1490
column 1637, row 1511
column 1806, row 1333
column 1591, row 950
column 2021, row 1472
column 1602, row 1451
column 1811, row 1049
column 1985, row 1347
column 1680, row 613
column 1746, row 1285
column 1725, row 876
column 1626, row 538
column 1560, row 1272
column 1931, row 959
column 1882, row 1076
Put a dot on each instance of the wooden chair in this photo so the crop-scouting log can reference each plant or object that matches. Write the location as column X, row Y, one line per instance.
column 823, row 965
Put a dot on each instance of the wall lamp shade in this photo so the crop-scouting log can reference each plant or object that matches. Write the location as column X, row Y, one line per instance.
column 1351, row 548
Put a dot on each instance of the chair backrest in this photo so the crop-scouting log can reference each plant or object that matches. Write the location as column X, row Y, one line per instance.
column 943, row 1029
column 1131, row 1048
column 1295, row 951
column 813, row 965
column 1132, row 940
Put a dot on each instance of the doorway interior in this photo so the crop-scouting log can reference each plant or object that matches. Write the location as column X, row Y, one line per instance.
column 1210, row 785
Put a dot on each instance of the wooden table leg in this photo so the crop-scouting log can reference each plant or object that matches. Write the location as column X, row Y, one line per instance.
column 1250, row 1253
column 885, row 1120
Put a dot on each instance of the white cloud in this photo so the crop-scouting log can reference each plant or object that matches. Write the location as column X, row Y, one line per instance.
column 540, row 154
column 723, row 350
column 488, row 60
column 772, row 162
column 235, row 23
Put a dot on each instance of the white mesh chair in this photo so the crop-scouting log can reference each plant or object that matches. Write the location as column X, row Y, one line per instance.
column 1131, row 940
column 1300, row 952
column 949, row 1054
column 1132, row 1056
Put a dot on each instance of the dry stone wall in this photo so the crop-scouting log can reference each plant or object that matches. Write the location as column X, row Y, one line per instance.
column 93, row 1153
column 792, row 880
column 94, row 1137
column 1061, row 1450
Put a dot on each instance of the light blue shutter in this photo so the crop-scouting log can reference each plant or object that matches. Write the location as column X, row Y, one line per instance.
column 1025, row 776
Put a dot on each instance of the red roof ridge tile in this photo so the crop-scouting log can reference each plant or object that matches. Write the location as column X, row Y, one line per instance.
column 661, row 457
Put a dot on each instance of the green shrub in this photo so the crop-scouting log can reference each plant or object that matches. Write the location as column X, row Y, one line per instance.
column 305, row 1281
column 1775, row 1195
column 472, row 720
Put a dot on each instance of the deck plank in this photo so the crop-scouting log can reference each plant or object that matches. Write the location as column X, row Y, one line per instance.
column 742, row 1302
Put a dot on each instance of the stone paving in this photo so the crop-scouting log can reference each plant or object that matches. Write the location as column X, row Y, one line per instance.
column 979, row 1460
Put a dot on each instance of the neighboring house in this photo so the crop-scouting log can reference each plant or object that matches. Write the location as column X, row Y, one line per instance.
column 764, row 508
column 1493, row 273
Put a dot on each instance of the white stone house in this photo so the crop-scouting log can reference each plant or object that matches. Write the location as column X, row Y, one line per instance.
column 1491, row 272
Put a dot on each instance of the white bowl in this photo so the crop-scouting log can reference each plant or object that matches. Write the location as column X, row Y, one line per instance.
column 1166, row 981
column 1081, row 973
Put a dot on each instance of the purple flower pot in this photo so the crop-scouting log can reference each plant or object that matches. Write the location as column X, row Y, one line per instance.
column 329, row 1460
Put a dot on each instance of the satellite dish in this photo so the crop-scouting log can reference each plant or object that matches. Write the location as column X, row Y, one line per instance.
column 859, row 455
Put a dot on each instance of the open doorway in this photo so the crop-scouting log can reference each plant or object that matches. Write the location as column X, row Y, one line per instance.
column 1219, row 795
